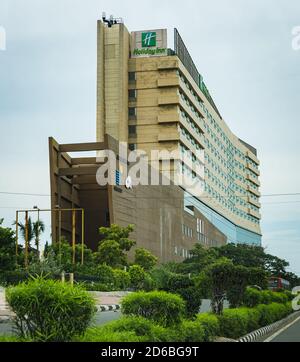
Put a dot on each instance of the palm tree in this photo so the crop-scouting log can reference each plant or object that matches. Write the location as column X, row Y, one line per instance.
column 38, row 229
column 30, row 232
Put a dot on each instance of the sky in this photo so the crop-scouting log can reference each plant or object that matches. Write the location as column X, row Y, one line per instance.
column 243, row 49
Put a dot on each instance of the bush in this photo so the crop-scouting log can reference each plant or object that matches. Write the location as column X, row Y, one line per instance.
column 252, row 297
column 140, row 280
column 105, row 274
column 234, row 323
column 192, row 331
column 266, row 297
column 96, row 287
column 103, row 334
column 273, row 312
column 163, row 308
column 210, row 324
column 121, row 279
column 130, row 329
column 48, row 310
column 13, row 277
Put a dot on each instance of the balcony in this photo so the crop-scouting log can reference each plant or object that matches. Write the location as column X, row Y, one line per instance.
column 168, row 117
column 171, row 136
column 168, row 100
column 253, row 191
column 255, row 214
column 254, row 202
column 252, row 157
column 252, row 168
column 168, row 82
column 253, row 179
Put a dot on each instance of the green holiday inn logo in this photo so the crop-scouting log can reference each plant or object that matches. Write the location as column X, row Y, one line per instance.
column 149, row 39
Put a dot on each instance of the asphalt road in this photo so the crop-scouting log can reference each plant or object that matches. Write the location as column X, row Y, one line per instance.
column 290, row 334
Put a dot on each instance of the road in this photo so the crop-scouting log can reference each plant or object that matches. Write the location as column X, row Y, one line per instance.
column 290, row 333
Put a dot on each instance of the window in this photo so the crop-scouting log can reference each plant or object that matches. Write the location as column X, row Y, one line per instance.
column 132, row 130
column 131, row 111
column 131, row 76
column 200, row 226
column 132, row 94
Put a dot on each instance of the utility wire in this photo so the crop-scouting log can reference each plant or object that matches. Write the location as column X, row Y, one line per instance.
column 143, row 197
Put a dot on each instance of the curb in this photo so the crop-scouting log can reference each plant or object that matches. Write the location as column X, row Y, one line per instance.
column 108, row 308
column 252, row 337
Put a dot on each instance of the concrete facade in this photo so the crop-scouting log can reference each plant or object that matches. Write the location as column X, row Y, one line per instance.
column 168, row 110
column 162, row 223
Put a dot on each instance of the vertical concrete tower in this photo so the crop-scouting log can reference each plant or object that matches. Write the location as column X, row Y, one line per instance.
column 112, row 80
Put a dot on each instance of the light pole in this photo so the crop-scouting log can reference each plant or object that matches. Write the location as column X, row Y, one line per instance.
column 38, row 230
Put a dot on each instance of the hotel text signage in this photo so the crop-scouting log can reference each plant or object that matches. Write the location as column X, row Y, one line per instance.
column 149, row 43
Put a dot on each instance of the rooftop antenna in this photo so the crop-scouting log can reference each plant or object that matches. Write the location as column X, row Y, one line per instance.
column 111, row 21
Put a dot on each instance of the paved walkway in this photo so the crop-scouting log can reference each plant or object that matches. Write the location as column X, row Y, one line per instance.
column 5, row 312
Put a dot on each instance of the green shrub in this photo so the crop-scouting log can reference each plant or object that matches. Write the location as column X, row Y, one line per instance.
column 10, row 339
column 192, row 331
column 140, row 280
column 104, row 334
column 13, row 277
column 96, row 287
column 272, row 312
column 252, row 297
column 210, row 324
column 163, row 308
column 121, row 279
column 105, row 274
column 266, row 297
column 278, row 297
column 234, row 322
column 131, row 329
column 48, row 310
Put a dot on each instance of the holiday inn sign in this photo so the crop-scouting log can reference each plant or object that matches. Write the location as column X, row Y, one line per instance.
column 149, row 43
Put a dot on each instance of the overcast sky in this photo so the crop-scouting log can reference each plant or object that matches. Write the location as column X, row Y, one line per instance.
column 243, row 49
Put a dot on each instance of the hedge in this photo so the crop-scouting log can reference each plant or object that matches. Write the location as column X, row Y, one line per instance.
column 210, row 324
column 237, row 322
column 164, row 308
column 253, row 297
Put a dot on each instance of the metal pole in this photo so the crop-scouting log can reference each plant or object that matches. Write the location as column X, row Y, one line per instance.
column 26, row 239
column 71, row 279
column 73, row 234
column 59, row 235
column 17, row 232
column 82, row 237
column 38, row 234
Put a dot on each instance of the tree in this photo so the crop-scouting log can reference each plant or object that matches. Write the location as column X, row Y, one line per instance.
column 215, row 281
column 145, row 259
column 114, row 245
column 38, row 228
column 243, row 254
column 30, row 231
column 200, row 258
column 7, row 248
column 241, row 278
